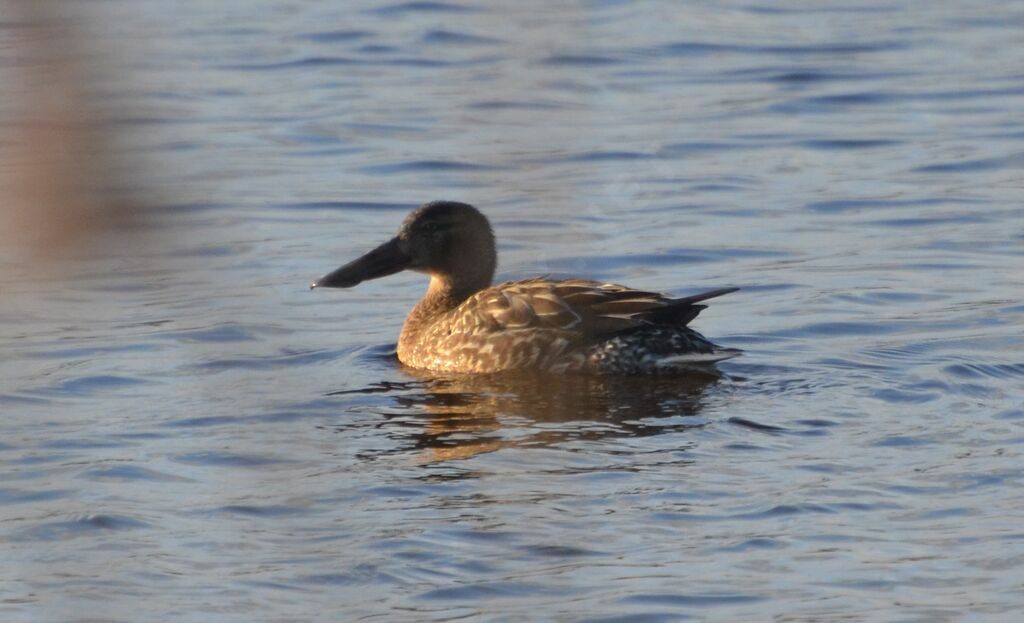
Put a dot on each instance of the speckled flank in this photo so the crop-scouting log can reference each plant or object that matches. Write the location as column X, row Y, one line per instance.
column 655, row 350
column 559, row 326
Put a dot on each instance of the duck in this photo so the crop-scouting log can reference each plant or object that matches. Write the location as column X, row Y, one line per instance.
column 466, row 325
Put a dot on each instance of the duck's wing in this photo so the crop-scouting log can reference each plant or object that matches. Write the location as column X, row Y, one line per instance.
column 582, row 307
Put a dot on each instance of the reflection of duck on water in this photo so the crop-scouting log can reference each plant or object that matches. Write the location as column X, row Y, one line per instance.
column 465, row 325
column 462, row 416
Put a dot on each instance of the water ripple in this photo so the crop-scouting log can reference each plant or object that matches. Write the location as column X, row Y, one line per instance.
column 698, row 48
column 18, row 496
column 311, row 62
column 1014, row 161
column 88, row 385
column 87, row 526
column 421, row 6
column 228, row 459
column 337, row 36
column 449, row 37
column 129, row 473
column 421, row 166
column 346, row 205
column 581, row 60
column 693, row 601
column 986, row 370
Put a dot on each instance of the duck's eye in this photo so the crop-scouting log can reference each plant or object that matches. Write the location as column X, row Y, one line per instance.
column 431, row 228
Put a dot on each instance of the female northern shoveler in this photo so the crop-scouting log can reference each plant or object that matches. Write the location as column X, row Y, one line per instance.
column 463, row 324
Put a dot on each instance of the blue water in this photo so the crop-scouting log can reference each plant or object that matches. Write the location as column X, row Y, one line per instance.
column 189, row 434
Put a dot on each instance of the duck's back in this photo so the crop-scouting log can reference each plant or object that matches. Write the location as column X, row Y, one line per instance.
column 565, row 326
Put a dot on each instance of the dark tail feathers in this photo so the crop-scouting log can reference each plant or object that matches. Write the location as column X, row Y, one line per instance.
column 681, row 311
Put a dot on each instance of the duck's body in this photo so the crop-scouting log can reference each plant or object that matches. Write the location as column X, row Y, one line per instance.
column 465, row 325
column 559, row 326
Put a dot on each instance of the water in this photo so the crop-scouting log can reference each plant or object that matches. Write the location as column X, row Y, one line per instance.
column 188, row 432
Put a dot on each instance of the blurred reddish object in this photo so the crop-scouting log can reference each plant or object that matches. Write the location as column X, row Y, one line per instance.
column 56, row 179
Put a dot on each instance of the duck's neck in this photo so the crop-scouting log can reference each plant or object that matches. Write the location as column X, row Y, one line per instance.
column 443, row 295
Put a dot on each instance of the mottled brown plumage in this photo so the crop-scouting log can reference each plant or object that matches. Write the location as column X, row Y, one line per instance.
column 463, row 324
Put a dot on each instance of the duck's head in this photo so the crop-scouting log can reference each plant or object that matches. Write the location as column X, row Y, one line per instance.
column 450, row 241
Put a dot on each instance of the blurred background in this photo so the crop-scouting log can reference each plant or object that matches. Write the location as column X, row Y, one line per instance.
column 188, row 430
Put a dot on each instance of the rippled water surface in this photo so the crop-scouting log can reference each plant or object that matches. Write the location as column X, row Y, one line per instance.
column 191, row 434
